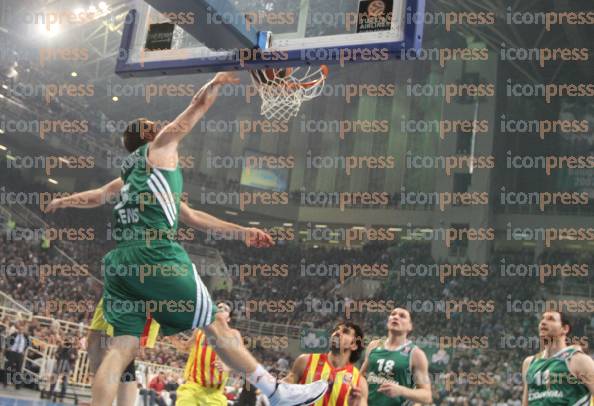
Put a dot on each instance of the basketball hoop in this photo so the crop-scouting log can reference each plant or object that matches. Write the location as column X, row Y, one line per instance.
column 283, row 90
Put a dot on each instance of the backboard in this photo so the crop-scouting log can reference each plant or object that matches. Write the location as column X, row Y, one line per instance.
column 193, row 36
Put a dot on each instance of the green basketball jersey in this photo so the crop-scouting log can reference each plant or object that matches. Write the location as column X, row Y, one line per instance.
column 149, row 203
column 389, row 366
column 550, row 382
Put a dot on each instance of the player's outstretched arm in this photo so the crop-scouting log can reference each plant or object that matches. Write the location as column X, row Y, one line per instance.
column 294, row 376
column 582, row 366
column 172, row 134
column 525, row 366
column 209, row 224
column 422, row 392
column 88, row 199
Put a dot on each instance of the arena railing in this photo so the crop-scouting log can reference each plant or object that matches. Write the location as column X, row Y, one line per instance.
column 64, row 327
column 39, row 357
column 42, row 355
column 265, row 328
column 7, row 302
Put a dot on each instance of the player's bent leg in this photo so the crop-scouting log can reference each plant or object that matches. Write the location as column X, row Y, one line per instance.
column 189, row 306
column 230, row 349
column 121, row 352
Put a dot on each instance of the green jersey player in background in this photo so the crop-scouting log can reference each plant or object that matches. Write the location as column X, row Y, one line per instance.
column 397, row 371
column 149, row 194
column 560, row 374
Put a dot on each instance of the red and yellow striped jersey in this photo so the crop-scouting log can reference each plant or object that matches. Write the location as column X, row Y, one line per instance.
column 201, row 368
column 340, row 380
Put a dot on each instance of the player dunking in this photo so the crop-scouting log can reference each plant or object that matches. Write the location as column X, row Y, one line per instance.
column 397, row 370
column 174, row 293
column 346, row 385
column 559, row 374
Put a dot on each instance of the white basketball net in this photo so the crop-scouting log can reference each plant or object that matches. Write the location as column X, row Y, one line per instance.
column 284, row 90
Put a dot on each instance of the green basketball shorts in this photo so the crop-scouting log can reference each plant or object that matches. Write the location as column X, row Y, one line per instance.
column 160, row 281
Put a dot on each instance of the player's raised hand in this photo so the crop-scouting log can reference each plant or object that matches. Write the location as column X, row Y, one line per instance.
column 54, row 205
column 390, row 389
column 254, row 237
column 223, row 78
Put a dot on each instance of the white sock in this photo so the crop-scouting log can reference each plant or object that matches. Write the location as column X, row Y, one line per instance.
column 262, row 380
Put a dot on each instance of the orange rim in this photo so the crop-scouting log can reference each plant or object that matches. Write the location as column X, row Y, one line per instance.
column 306, row 85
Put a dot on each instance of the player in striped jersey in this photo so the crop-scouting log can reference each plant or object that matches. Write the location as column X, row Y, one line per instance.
column 346, row 385
column 205, row 374
column 396, row 369
column 559, row 374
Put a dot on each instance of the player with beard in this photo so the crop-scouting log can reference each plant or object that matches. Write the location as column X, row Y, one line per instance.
column 396, row 369
column 559, row 374
column 346, row 385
